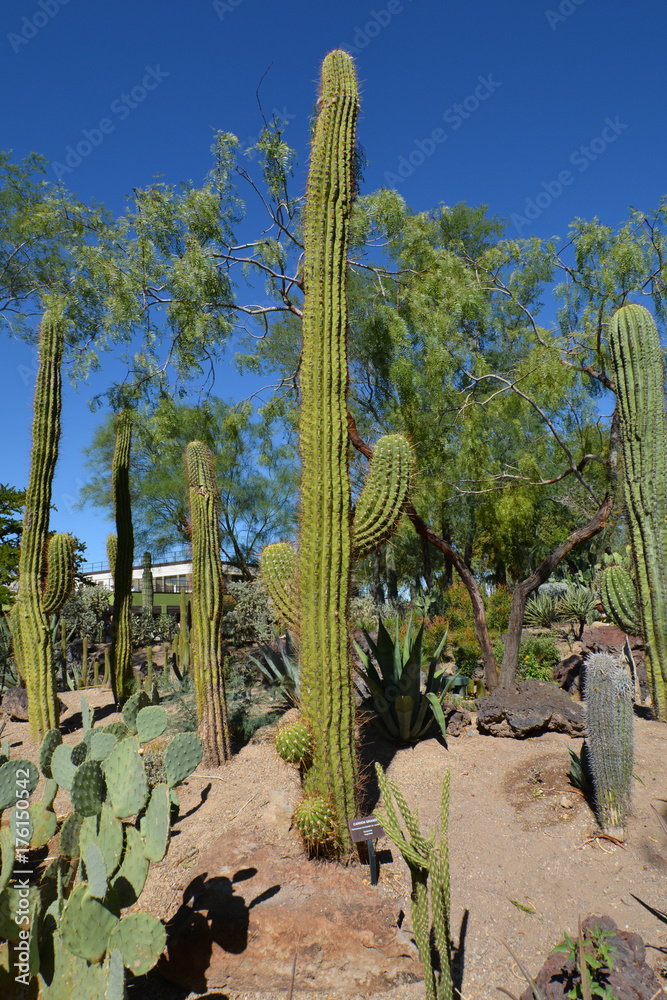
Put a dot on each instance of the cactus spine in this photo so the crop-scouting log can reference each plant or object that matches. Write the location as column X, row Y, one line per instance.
column 32, row 643
column 122, row 551
column 609, row 711
column 147, row 585
column 207, row 605
column 635, row 349
column 311, row 589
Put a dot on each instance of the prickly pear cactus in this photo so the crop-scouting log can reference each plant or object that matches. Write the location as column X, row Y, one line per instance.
column 86, row 942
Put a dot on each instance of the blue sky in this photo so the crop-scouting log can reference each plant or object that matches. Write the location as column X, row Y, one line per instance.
column 543, row 111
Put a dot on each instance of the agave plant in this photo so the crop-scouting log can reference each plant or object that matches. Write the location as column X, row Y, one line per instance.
column 281, row 671
column 576, row 605
column 405, row 712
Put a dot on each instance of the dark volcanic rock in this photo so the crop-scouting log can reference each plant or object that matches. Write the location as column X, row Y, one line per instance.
column 458, row 721
column 629, row 979
column 15, row 704
column 529, row 709
column 567, row 673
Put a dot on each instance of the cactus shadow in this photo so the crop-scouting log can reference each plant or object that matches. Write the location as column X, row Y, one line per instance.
column 75, row 721
column 372, row 748
column 211, row 912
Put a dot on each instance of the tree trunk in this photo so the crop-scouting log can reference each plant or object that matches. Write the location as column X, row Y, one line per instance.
column 446, row 534
column 542, row 573
column 427, row 571
column 392, row 578
column 377, row 590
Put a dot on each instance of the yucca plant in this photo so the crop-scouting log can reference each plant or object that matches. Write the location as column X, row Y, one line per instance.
column 576, row 605
column 405, row 713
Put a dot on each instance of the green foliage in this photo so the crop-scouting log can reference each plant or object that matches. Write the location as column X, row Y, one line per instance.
column 280, row 669
column 87, row 612
column 592, row 958
column 148, row 629
column 498, row 605
column 404, row 712
column 541, row 611
column 11, row 526
column 250, row 618
column 428, row 862
column 538, row 655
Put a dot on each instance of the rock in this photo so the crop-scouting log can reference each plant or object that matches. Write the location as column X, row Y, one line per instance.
column 529, row 709
column 277, row 814
column 458, row 721
column 249, row 908
column 567, row 673
column 15, row 704
column 630, row 979
column 566, row 802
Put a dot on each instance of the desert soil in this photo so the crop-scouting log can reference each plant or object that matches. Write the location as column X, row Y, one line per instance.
column 526, row 858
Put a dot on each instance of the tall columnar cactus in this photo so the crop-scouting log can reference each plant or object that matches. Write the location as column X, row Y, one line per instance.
column 147, row 585
column 609, row 713
column 635, row 349
column 32, row 637
column 311, row 589
column 207, row 605
column 617, row 592
column 121, row 641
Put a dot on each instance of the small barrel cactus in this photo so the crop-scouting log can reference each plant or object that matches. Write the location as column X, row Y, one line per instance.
column 315, row 820
column 294, row 743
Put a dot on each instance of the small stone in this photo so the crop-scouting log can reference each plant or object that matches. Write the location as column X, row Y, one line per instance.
column 566, row 802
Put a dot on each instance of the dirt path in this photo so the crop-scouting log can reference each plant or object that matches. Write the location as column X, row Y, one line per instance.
column 523, row 864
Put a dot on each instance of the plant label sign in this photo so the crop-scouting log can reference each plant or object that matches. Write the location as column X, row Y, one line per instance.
column 367, row 828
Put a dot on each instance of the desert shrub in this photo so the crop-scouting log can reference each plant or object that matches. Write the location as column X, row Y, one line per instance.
column 466, row 650
column 538, row 655
column 498, row 606
column 87, row 612
column 457, row 607
column 364, row 613
column 146, row 629
column 433, row 633
column 249, row 618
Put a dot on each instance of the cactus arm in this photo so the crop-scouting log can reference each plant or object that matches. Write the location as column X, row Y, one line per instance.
column 33, row 645
column 617, row 593
column 279, row 571
column 635, row 348
column 207, row 605
column 121, row 645
column 147, row 595
column 60, row 573
column 385, row 490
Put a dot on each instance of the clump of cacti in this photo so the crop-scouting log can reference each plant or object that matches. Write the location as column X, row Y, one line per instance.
column 207, row 604
column 121, row 553
column 81, row 940
column 609, row 738
column 147, row 585
column 33, row 647
column 310, row 590
column 428, row 862
column 637, row 359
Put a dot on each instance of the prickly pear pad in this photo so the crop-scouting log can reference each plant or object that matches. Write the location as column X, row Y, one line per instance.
column 140, row 938
column 127, row 785
column 87, row 791
column 182, row 756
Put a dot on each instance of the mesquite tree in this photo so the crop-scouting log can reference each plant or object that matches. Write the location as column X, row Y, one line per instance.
column 207, row 605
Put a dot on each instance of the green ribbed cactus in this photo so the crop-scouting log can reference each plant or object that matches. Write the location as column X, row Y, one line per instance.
column 426, row 860
column 207, row 604
column 311, row 589
column 33, row 646
column 617, row 593
column 635, row 349
column 609, row 713
column 147, row 585
column 122, row 551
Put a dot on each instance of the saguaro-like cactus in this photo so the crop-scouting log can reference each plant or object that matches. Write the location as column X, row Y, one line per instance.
column 609, row 712
column 311, row 589
column 147, row 585
column 635, row 348
column 121, row 565
column 32, row 637
column 207, row 605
